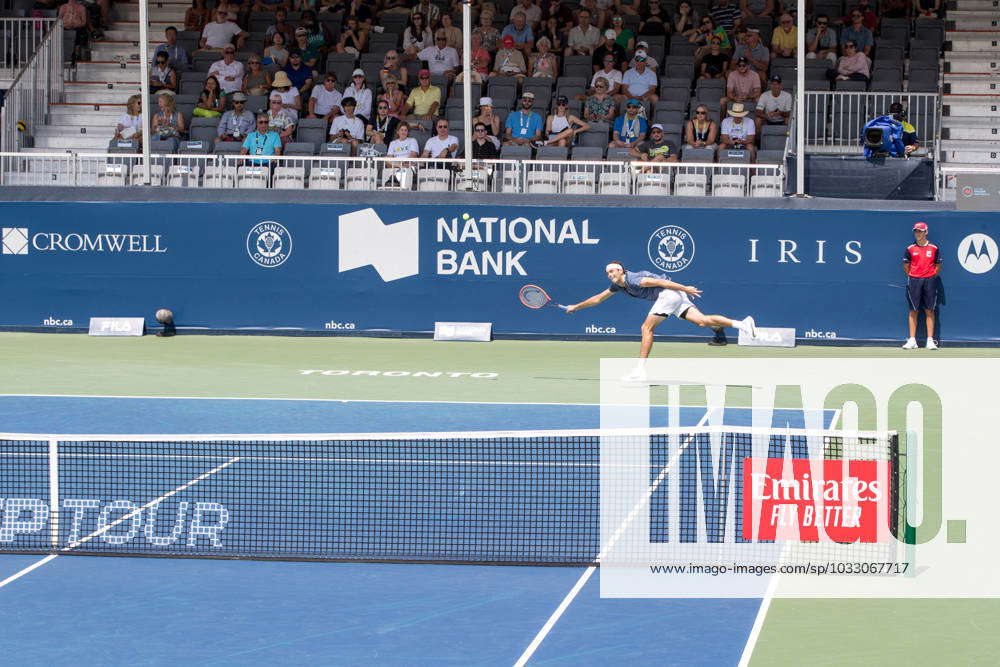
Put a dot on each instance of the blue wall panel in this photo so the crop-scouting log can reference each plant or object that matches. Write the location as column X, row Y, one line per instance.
column 834, row 272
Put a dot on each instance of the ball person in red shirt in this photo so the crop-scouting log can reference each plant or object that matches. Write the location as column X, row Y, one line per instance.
column 922, row 264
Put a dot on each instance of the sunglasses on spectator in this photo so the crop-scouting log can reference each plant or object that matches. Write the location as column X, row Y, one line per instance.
column 229, row 51
column 262, row 122
column 700, row 112
column 822, row 23
column 238, row 102
column 442, row 39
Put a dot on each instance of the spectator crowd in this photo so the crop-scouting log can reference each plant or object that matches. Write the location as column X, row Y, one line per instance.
column 637, row 79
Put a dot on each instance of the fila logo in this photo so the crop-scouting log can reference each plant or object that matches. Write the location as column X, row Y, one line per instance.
column 393, row 250
column 977, row 253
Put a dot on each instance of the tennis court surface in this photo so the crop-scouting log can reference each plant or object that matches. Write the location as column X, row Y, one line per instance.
column 73, row 609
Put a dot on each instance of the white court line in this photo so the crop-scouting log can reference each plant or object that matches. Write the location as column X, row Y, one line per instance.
column 309, row 400
column 765, row 603
column 589, row 572
column 758, row 621
column 97, row 533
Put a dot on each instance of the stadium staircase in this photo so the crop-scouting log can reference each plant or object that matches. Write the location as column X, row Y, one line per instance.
column 97, row 89
column 970, row 126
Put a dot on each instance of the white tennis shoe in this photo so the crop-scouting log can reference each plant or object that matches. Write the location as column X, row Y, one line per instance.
column 638, row 375
column 931, row 345
column 747, row 326
column 910, row 344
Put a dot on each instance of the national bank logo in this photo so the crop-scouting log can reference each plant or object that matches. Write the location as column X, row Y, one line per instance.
column 977, row 253
column 393, row 250
column 671, row 248
column 15, row 240
column 269, row 244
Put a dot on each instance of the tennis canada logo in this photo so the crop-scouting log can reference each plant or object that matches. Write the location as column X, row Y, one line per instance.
column 15, row 240
column 269, row 244
column 977, row 253
column 671, row 248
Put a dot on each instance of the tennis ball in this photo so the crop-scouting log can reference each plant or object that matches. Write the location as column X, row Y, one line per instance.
column 22, row 126
column 465, row 216
column 164, row 316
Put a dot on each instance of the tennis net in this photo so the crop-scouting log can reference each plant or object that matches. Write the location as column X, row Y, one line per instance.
column 496, row 497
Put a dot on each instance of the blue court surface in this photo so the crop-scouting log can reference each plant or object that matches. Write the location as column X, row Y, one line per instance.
column 137, row 611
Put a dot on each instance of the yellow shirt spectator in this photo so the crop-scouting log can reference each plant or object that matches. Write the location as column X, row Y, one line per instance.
column 422, row 99
column 784, row 41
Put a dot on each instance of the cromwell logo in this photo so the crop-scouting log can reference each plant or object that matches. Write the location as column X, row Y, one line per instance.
column 671, row 248
column 15, row 240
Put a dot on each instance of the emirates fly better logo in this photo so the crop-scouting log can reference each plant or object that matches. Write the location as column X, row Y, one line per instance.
column 15, row 240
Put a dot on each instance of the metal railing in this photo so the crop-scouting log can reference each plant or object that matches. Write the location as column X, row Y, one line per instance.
column 19, row 39
column 26, row 102
column 387, row 174
column 834, row 118
column 946, row 183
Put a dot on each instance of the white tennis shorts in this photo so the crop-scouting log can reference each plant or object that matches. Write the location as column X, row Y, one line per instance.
column 670, row 302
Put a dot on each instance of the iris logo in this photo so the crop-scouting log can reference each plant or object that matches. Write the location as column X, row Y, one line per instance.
column 977, row 253
column 671, row 248
column 15, row 240
column 393, row 250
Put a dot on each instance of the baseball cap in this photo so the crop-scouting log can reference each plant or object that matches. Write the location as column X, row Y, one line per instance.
column 642, row 45
column 741, row 60
column 301, row 31
column 562, row 99
column 508, row 41
column 922, row 226
column 657, row 126
column 357, row 72
column 776, row 77
column 485, row 101
column 634, row 103
column 753, row 30
column 239, row 97
column 424, row 72
column 610, row 34
column 528, row 94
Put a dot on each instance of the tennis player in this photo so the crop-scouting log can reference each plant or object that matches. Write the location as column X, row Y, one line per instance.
column 669, row 298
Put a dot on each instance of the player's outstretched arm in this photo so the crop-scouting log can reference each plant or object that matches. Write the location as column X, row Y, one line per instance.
column 592, row 301
column 669, row 284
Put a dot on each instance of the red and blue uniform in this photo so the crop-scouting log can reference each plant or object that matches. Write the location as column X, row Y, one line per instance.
column 922, row 282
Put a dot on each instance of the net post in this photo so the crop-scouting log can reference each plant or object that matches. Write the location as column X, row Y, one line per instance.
column 54, row 492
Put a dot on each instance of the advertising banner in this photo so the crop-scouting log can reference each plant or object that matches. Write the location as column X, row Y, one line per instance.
column 345, row 268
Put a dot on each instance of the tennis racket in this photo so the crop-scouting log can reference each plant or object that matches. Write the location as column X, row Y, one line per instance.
column 535, row 297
